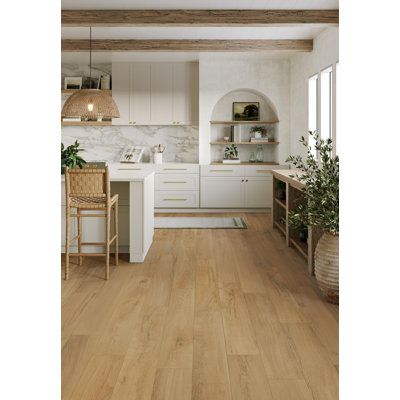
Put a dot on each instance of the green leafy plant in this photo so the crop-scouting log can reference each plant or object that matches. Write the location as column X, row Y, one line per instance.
column 261, row 129
column 321, row 180
column 70, row 157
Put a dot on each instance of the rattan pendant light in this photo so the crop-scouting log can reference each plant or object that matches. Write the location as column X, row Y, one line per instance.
column 90, row 104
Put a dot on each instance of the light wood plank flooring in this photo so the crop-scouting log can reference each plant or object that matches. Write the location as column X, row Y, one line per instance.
column 211, row 315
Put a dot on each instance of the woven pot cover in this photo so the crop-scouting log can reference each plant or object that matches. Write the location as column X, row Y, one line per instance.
column 103, row 105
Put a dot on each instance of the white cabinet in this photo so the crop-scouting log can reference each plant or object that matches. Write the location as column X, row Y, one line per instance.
column 235, row 186
column 140, row 101
column 222, row 192
column 156, row 93
column 161, row 92
column 258, row 192
column 121, row 91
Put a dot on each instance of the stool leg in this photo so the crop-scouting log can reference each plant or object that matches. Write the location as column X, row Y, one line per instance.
column 116, row 231
column 66, row 271
column 79, row 236
column 108, row 243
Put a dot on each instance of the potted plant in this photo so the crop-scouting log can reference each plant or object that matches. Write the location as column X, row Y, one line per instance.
column 70, row 157
column 321, row 209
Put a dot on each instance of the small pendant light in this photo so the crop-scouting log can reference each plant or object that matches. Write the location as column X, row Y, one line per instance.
column 90, row 103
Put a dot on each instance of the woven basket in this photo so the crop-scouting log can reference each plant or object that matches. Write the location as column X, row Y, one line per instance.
column 77, row 105
column 327, row 266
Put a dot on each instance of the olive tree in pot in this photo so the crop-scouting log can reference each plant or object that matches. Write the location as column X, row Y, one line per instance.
column 70, row 157
column 321, row 209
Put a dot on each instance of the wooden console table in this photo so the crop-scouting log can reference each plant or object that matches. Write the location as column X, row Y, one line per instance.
column 282, row 205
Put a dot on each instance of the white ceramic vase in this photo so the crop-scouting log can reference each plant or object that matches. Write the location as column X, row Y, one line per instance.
column 157, row 158
column 327, row 266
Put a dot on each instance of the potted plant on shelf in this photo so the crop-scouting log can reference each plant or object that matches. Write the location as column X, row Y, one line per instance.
column 70, row 157
column 321, row 209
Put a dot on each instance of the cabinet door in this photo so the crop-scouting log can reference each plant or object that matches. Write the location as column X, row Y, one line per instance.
column 258, row 192
column 140, row 98
column 161, row 93
column 181, row 94
column 120, row 91
column 222, row 192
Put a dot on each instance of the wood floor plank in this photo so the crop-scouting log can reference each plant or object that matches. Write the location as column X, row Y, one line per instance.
column 320, row 374
column 177, row 345
column 239, row 334
column 210, row 366
column 277, row 349
column 247, row 378
column 172, row 384
column 290, row 389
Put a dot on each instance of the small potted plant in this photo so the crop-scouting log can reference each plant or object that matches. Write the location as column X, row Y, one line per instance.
column 258, row 131
column 321, row 209
column 70, row 157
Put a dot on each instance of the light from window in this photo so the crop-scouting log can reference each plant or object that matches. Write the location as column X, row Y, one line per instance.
column 313, row 108
column 326, row 103
column 338, row 114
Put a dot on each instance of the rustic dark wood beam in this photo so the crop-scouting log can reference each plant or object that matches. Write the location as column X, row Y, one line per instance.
column 187, row 45
column 197, row 17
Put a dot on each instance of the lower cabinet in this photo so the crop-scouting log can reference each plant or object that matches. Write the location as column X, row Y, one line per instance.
column 222, row 192
column 236, row 192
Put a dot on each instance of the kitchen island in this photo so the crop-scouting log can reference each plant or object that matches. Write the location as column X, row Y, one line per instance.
column 135, row 186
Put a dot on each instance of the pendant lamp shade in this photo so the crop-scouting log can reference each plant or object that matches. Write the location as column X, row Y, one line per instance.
column 90, row 104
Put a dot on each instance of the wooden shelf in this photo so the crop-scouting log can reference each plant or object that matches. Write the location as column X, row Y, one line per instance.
column 281, row 203
column 301, row 247
column 246, row 143
column 72, row 91
column 245, row 163
column 85, row 123
column 243, row 122
column 280, row 227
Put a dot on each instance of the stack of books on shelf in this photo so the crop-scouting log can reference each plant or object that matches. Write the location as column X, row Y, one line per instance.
column 259, row 140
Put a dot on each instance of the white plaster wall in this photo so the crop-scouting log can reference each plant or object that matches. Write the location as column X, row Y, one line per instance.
column 220, row 74
column 304, row 65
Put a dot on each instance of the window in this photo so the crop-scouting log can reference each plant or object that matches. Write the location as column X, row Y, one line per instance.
column 322, row 115
column 313, row 106
column 326, row 104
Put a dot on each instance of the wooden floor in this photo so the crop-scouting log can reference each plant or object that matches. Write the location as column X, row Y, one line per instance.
column 211, row 314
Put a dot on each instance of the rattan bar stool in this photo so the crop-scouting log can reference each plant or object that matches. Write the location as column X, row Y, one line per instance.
column 88, row 189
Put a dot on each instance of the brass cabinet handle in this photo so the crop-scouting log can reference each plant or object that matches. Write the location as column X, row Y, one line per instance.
column 221, row 170
column 174, row 199
column 174, row 181
column 175, row 169
column 263, row 171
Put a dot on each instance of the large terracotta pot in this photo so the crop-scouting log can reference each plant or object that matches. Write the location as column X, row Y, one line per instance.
column 327, row 266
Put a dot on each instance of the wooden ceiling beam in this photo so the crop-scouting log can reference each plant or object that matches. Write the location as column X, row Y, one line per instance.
column 197, row 17
column 187, row 45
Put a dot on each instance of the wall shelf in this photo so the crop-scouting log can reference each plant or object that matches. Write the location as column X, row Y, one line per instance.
column 243, row 122
column 244, row 143
column 85, row 123
column 72, row 91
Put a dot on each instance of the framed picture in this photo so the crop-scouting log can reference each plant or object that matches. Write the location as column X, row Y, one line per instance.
column 73, row 82
column 246, row 111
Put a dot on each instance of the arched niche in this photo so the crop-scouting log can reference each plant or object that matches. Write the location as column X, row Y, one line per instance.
column 222, row 110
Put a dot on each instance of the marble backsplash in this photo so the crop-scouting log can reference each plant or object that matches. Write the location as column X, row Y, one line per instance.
column 107, row 142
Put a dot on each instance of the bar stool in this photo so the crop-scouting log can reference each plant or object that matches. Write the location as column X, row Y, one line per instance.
column 88, row 189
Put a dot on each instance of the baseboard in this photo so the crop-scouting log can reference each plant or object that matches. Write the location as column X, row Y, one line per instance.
column 210, row 210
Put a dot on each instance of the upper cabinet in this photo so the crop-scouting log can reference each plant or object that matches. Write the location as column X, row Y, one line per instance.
column 156, row 93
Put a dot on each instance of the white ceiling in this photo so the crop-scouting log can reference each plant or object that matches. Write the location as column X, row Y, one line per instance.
column 198, row 4
column 290, row 32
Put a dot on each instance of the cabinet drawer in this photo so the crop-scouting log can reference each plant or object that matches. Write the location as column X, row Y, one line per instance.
column 176, row 199
column 259, row 170
column 177, row 169
column 222, row 170
column 176, row 182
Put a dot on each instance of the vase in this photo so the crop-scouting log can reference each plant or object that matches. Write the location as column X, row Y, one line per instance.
column 157, row 158
column 259, row 153
column 327, row 266
column 252, row 158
